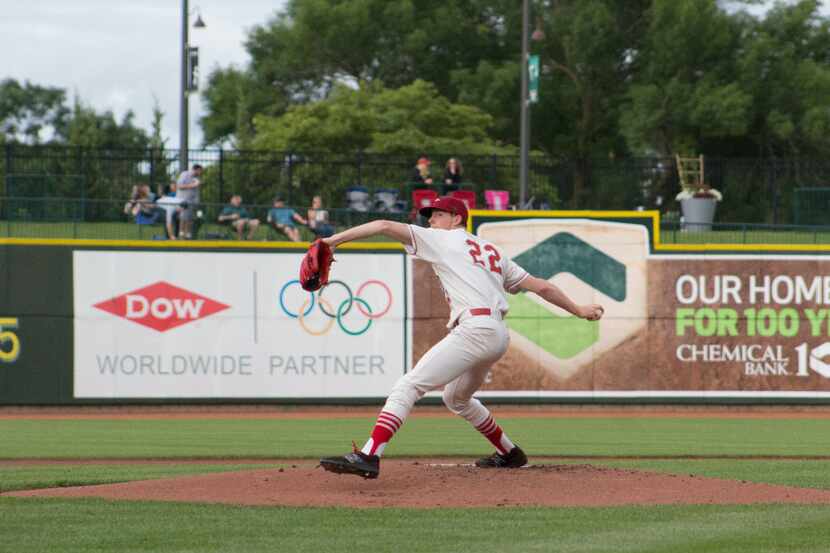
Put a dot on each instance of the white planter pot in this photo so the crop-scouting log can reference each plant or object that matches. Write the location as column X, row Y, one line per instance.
column 698, row 214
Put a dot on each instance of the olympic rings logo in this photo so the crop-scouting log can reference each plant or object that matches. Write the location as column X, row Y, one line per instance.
column 338, row 293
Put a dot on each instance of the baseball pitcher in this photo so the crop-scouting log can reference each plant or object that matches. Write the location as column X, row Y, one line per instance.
column 475, row 277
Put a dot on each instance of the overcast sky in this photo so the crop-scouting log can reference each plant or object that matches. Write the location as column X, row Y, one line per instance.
column 118, row 54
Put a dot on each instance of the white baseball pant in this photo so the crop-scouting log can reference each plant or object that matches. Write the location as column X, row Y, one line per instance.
column 460, row 362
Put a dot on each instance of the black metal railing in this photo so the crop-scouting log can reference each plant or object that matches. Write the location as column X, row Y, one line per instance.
column 754, row 190
column 112, row 220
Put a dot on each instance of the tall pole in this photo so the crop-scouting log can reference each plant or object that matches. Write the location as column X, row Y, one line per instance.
column 183, row 107
column 525, row 114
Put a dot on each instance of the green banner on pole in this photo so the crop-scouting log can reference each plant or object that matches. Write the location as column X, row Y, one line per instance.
column 533, row 78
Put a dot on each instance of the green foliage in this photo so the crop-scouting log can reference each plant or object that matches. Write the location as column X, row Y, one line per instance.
column 89, row 129
column 332, row 133
column 232, row 97
column 28, row 110
column 408, row 120
column 685, row 89
column 783, row 65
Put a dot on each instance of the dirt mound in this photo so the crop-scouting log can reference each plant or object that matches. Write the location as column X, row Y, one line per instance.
column 445, row 483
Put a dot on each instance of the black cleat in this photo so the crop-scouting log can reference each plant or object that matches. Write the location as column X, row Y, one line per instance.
column 367, row 466
column 514, row 459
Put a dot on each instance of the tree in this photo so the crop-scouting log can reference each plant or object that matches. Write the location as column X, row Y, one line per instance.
column 783, row 66
column 97, row 135
column 351, row 123
column 29, row 111
column 232, row 97
column 88, row 128
column 685, row 90
column 470, row 51
column 299, row 55
column 396, row 41
column 408, row 120
column 593, row 44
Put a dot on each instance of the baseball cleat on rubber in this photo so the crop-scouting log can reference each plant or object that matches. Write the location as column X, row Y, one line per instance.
column 514, row 459
column 367, row 466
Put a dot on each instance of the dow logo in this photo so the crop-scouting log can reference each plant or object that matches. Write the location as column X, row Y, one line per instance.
column 592, row 262
column 161, row 306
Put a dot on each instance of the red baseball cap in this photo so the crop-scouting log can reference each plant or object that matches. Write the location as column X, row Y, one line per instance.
column 448, row 204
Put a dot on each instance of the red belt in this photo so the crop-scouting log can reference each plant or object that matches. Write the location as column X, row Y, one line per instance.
column 474, row 312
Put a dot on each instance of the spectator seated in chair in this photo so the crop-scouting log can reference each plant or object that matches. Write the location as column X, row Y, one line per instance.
column 142, row 206
column 318, row 219
column 282, row 218
column 171, row 205
column 420, row 174
column 453, row 175
column 238, row 218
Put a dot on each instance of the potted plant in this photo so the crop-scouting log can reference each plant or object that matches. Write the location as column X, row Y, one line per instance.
column 698, row 206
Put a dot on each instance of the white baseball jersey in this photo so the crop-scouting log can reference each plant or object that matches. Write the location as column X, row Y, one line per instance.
column 473, row 272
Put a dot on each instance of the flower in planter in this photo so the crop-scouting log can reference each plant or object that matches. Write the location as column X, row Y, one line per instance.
column 704, row 191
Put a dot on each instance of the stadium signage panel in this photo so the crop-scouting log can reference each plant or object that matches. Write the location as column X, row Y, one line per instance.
column 676, row 325
column 9, row 340
column 786, row 311
column 235, row 325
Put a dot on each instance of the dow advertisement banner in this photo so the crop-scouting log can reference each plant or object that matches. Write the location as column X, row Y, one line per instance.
column 235, row 325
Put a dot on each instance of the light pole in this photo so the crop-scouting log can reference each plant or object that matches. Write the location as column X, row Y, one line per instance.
column 186, row 85
column 524, row 137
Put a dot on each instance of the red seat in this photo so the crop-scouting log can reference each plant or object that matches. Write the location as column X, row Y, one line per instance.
column 466, row 196
column 421, row 197
column 497, row 199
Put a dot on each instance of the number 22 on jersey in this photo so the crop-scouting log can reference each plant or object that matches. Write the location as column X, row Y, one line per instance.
column 491, row 254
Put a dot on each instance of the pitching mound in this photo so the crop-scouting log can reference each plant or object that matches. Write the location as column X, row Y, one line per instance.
column 444, row 483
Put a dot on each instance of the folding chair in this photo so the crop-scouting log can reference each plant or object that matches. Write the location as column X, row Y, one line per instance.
column 422, row 197
column 386, row 200
column 497, row 199
column 357, row 198
column 466, row 196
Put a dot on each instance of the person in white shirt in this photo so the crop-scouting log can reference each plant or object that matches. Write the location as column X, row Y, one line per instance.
column 189, row 184
column 475, row 277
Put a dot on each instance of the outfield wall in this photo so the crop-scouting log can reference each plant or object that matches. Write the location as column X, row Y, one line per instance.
column 93, row 325
column 109, row 323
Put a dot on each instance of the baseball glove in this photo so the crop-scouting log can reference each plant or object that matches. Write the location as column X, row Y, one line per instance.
column 314, row 269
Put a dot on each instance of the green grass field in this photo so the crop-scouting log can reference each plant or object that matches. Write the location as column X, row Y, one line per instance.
column 661, row 444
